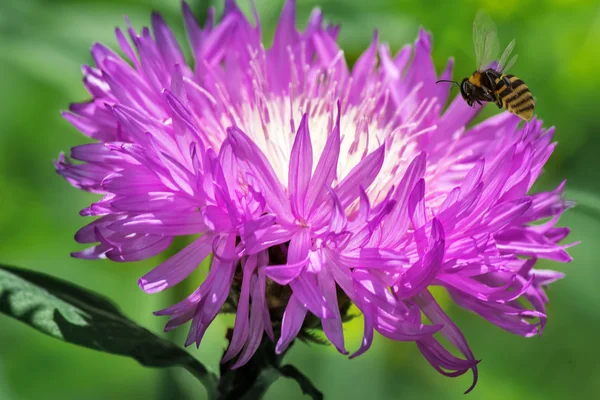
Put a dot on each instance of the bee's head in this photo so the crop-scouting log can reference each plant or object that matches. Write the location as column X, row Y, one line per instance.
column 467, row 89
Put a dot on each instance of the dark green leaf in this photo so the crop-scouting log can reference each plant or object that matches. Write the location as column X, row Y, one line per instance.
column 75, row 315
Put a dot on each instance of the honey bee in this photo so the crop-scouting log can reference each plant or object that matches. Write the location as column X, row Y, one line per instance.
column 493, row 84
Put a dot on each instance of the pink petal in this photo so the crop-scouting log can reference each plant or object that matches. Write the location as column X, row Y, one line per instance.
column 240, row 328
column 363, row 70
column 166, row 42
column 264, row 238
column 293, row 318
column 326, row 169
column 178, row 267
column 436, row 315
column 332, row 327
column 284, row 274
column 245, row 149
column 300, row 168
column 421, row 274
column 139, row 248
column 168, row 224
column 308, row 294
column 397, row 221
column 256, row 322
column 362, row 175
column 373, row 257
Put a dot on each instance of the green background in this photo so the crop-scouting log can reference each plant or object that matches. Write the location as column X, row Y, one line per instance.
column 43, row 44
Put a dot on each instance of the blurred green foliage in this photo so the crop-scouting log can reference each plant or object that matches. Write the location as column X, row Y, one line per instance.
column 42, row 45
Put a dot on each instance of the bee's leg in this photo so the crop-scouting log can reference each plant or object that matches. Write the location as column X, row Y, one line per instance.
column 491, row 80
column 488, row 94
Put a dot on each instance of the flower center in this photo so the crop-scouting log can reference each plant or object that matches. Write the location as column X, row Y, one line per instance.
column 273, row 125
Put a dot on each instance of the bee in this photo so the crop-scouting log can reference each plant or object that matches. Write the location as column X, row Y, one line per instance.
column 494, row 84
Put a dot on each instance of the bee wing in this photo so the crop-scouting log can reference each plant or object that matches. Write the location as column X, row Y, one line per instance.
column 502, row 65
column 485, row 40
column 509, row 64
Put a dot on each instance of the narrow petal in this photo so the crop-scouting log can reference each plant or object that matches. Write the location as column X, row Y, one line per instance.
column 139, row 248
column 436, row 315
column 264, row 238
column 300, row 168
column 162, row 224
column 332, row 327
column 284, row 274
column 166, row 42
column 308, row 294
column 178, row 267
column 262, row 171
column 240, row 328
column 363, row 70
column 397, row 221
column 368, row 334
column 326, row 169
column 293, row 318
column 423, row 272
column 373, row 258
column 257, row 316
column 362, row 175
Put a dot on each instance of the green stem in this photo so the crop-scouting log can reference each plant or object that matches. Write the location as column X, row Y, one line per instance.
column 208, row 378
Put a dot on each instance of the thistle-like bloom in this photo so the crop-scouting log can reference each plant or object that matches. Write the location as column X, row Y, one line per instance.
column 314, row 185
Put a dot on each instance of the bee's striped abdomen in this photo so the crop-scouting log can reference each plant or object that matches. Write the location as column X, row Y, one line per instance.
column 516, row 97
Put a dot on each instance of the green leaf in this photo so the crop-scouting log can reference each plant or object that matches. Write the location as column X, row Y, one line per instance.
column 76, row 315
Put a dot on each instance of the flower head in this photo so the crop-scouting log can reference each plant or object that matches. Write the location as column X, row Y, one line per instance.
column 313, row 184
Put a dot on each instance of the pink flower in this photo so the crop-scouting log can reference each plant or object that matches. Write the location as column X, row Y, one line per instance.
column 303, row 177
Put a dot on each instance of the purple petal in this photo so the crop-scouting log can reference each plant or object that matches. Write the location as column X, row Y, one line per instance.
column 397, row 221
column 154, row 202
column 166, row 42
column 504, row 214
column 97, row 252
column 326, row 169
column 284, row 274
column 421, row 274
column 178, row 267
column 139, row 248
column 300, row 166
column 168, row 224
column 442, row 92
column 332, row 327
column 240, row 328
column 264, row 238
column 338, row 217
column 362, row 175
column 293, row 318
column 416, row 205
column 262, row 171
column 367, row 339
column 436, row 315
column 308, row 294
column 194, row 33
column 217, row 293
column 363, row 70
column 373, row 258
column 443, row 361
column 256, row 322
